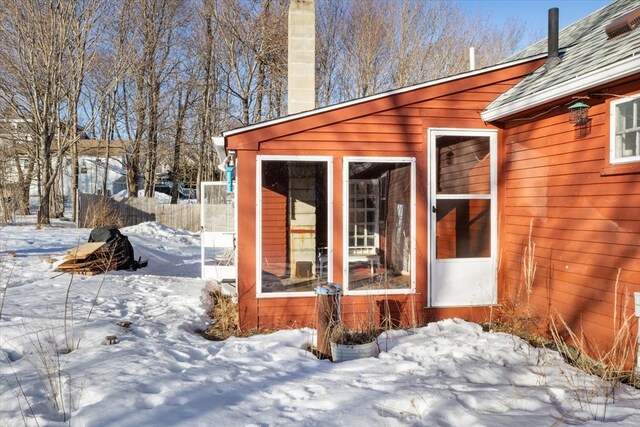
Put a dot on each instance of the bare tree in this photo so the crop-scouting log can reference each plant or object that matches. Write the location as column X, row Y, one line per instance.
column 46, row 47
column 35, row 61
column 155, row 25
column 164, row 74
column 105, row 79
column 329, row 23
column 253, row 55
column 208, row 87
column 365, row 42
column 369, row 46
column 83, row 37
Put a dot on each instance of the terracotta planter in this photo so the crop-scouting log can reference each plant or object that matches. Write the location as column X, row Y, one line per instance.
column 344, row 352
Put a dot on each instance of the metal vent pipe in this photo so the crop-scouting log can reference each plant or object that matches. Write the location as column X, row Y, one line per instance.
column 553, row 56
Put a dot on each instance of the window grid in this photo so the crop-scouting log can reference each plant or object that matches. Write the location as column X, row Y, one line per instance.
column 627, row 131
column 363, row 213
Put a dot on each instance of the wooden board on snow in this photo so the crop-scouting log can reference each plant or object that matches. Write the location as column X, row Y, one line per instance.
column 79, row 254
column 83, row 251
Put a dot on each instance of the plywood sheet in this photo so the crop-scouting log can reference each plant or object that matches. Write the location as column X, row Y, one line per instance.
column 83, row 251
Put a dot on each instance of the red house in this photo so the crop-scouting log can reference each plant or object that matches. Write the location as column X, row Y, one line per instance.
column 420, row 201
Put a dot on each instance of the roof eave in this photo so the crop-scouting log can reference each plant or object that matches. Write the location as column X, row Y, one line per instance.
column 595, row 78
column 380, row 95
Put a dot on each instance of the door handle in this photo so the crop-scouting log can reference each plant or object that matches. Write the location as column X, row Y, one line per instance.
column 433, row 209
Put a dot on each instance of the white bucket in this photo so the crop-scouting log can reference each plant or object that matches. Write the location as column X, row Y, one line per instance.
column 344, row 352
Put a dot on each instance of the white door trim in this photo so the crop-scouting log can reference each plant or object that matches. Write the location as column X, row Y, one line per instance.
column 432, row 133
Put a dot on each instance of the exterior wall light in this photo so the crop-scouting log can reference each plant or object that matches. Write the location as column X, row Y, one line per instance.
column 579, row 113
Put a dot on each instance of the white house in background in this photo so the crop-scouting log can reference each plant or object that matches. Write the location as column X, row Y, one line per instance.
column 15, row 140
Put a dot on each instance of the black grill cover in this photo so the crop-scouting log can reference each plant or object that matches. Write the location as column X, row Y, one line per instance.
column 116, row 241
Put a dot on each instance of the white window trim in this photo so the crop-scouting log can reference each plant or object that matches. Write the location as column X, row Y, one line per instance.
column 258, row 207
column 612, row 133
column 345, row 225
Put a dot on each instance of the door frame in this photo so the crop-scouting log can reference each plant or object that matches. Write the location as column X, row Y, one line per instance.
column 432, row 133
column 208, row 237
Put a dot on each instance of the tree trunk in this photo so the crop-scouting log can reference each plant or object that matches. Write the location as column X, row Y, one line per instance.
column 75, row 178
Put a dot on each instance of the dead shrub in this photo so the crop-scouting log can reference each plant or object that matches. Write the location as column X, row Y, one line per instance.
column 514, row 318
column 103, row 214
column 340, row 334
column 514, row 315
column 224, row 312
column 613, row 364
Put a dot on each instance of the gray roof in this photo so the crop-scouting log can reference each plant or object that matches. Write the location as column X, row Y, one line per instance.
column 584, row 48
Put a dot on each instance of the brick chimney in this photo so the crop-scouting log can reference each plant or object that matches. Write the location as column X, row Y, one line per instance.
column 302, row 56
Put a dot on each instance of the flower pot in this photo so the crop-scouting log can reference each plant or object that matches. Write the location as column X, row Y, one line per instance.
column 344, row 352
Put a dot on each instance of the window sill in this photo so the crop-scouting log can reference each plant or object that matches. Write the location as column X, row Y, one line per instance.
column 621, row 169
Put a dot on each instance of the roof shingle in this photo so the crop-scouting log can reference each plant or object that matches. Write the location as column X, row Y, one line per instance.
column 584, row 47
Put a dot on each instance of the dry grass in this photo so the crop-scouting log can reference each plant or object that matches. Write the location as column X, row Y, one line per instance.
column 366, row 330
column 103, row 214
column 529, row 264
column 514, row 315
column 224, row 312
column 341, row 335
column 611, row 364
column 515, row 318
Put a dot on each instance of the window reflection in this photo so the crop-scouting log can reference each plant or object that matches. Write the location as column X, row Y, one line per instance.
column 379, row 227
column 294, row 225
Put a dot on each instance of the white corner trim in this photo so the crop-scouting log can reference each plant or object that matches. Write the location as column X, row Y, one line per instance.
column 381, row 95
column 595, row 78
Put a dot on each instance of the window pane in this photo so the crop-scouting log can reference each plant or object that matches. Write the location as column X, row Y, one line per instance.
column 218, row 209
column 463, row 229
column 463, row 165
column 627, row 131
column 627, row 144
column 294, row 225
column 381, row 257
column 627, row 115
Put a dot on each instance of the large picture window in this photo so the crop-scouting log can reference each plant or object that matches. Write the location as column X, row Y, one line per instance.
column 625, row 130
column 293, row 224
column 380, row 215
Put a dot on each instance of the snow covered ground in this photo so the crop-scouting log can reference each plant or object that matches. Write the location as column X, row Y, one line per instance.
column 162, row 373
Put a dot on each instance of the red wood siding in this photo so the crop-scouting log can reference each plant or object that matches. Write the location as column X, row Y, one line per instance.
column 393, row 126
column 274, row 232
column 586, row 223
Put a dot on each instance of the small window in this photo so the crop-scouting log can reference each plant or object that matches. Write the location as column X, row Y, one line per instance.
column 625, row 130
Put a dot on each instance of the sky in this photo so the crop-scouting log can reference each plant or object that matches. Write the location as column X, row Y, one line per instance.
column 534, row 12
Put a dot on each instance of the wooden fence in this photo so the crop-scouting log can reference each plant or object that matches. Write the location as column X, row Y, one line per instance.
column 135, row 210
